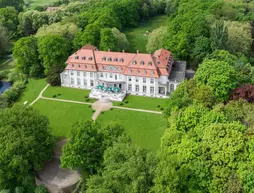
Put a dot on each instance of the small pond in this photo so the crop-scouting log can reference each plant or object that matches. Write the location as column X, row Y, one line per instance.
column 4, row 86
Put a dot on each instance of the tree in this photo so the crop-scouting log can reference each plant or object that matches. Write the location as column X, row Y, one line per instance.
column 126, row 169
column 122, row 42
column 3, row 40
column 53, row 50
column 108, row 40
column 219, row 35
column 220, row 76
column 67, row 30
column 18, row 4
column 245, row 92
column 84, row 150
column 201, row 49
column 26, row 55
column 26, row 142
column 239, row 37
column 156, row 39
column 9, row 19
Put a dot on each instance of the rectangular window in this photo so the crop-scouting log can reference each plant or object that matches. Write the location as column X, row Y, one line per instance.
column 84, row 74
column 91, row 74
column 111, row 75
column 85, row 82
column 101, row 74
column 120, row 76
column 136, row 79
column 129, row 78
column 72, row 80
column 78, row 73
column 137, row 88
column 71, row 73
column 91, row 82
column 144, row 80
column 129, row 87
column 151, row 89
column 78, row 81
column 144, row 89
column 152, row 81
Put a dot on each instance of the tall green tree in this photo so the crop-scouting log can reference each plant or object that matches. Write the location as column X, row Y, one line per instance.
column 219, row 35
column 156, row 39
column 108, row 40
column 26, row 55
column 26, row 142
column 18, row 4
column 53, row 51
column 122, row 42
column 3, row 39
column 9, row 19
column 220, row 76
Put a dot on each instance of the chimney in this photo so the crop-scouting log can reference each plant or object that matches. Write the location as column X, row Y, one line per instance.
column 108, row 50
column 123, row 51
column 137, row 51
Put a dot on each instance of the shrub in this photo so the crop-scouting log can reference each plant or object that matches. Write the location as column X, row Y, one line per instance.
column 54, row 96
column 86, row 97
column 89, row 106
column 93, row 111
column 87, row 100
column 102, row 112
column 158, row 106
column 121, row 104
column 161, row 108
column 126, row 102
column 59, row 94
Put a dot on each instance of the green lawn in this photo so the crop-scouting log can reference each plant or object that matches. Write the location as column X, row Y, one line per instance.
column 63, row 115
column 141, row 102
column 145, row 129
column 136, row 36
column 41, row 2
column 67, row 93
column 33, row 89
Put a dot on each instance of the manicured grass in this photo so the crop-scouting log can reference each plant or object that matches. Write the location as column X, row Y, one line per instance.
column 41, row 2
column 32, row 91
column 63, row 115
column 67, row 93
column 137, row 37
column 140, row 102
column 145, row 129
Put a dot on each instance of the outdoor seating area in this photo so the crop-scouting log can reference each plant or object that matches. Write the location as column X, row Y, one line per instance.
column 113, row 93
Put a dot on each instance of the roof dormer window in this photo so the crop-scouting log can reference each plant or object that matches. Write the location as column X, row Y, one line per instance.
column 121, row 60
column 134, row 62
column 85, row 66
column 129, row 70
column 115, row 59
column 142, row 62
column 78, row 66
column 144, row 72
column 83, row 58
column 137, row 71
column 76, row 57
column 72, row 65
column 104, row 58
column 150, row 63
column 152, row 72
column 90, row 58
column 109, row 59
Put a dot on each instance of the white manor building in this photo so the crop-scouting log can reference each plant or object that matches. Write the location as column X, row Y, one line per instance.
column 115, row 74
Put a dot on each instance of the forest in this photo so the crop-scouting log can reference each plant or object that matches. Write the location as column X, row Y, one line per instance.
column 208, row 145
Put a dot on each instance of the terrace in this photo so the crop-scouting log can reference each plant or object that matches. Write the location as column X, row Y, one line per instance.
column 110, row 93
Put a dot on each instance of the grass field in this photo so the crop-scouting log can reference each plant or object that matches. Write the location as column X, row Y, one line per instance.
column 33, row 89
column 136, row 36
column 34, row 3
column 63, row 115
column 141, row 102
column 145, row 129
column 67, row 93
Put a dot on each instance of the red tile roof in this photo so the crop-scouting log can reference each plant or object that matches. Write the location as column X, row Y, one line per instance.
column 89, row 58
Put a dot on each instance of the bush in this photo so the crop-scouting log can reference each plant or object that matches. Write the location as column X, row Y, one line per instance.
column 158, row 106
column 161, row 108
column 102, row 112
column 87, row 100
column 121, row 104
column 54, row 96
column 126, row 102
column 89, row 106
column 93, row 111
column 59, row 94
column 111, row 109
column 86, row 97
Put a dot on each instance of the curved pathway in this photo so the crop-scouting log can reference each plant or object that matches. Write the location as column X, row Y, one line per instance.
column 97, row 106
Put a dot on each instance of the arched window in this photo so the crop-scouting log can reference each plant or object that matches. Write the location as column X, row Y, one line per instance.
column 142, row 62
column 115, row 59
column 134, row 62
column 150, row 63
column 129, row 70
column 78, row 66
column 109, row 59
column 152, row 72
column 72, row 65
column 76, row 57
column 90, row 58
column 85, row 66
column 83, row 58
column 121, row 60
column 104, row 58
column 137, row 71
column 144, row 72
